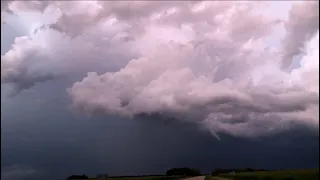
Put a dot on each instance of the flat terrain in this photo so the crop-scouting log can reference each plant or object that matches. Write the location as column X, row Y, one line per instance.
column 310, row 174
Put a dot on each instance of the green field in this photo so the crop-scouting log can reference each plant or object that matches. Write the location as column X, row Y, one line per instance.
column 310, row 174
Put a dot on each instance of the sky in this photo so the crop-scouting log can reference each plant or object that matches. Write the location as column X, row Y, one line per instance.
column 138, row 87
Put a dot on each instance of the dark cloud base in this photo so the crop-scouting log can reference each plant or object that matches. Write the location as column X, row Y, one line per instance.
column 146, row 146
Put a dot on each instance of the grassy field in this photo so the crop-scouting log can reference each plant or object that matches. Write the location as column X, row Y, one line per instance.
column 310, row 174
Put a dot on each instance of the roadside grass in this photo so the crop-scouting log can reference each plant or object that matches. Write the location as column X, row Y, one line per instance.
column 208, row 177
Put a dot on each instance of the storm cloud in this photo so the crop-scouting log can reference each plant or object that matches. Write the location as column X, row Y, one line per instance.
column 209, row 63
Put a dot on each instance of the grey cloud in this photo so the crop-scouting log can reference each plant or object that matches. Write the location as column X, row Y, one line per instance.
column 26, row 81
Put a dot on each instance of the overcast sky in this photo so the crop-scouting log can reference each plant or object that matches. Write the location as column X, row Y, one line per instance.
column 131, row 88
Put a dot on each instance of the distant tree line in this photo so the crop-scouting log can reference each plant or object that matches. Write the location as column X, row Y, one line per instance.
column 218, row 171
column 183, row 172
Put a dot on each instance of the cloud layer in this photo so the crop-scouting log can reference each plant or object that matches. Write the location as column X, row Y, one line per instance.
column 222, row 65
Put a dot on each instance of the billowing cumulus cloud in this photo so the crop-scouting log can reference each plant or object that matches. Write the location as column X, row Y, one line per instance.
column 182, row 83
column 44, row 53
column 14, row 65
column 211, row 63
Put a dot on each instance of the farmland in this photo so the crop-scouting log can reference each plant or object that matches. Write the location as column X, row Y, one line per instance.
column 310, row 174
